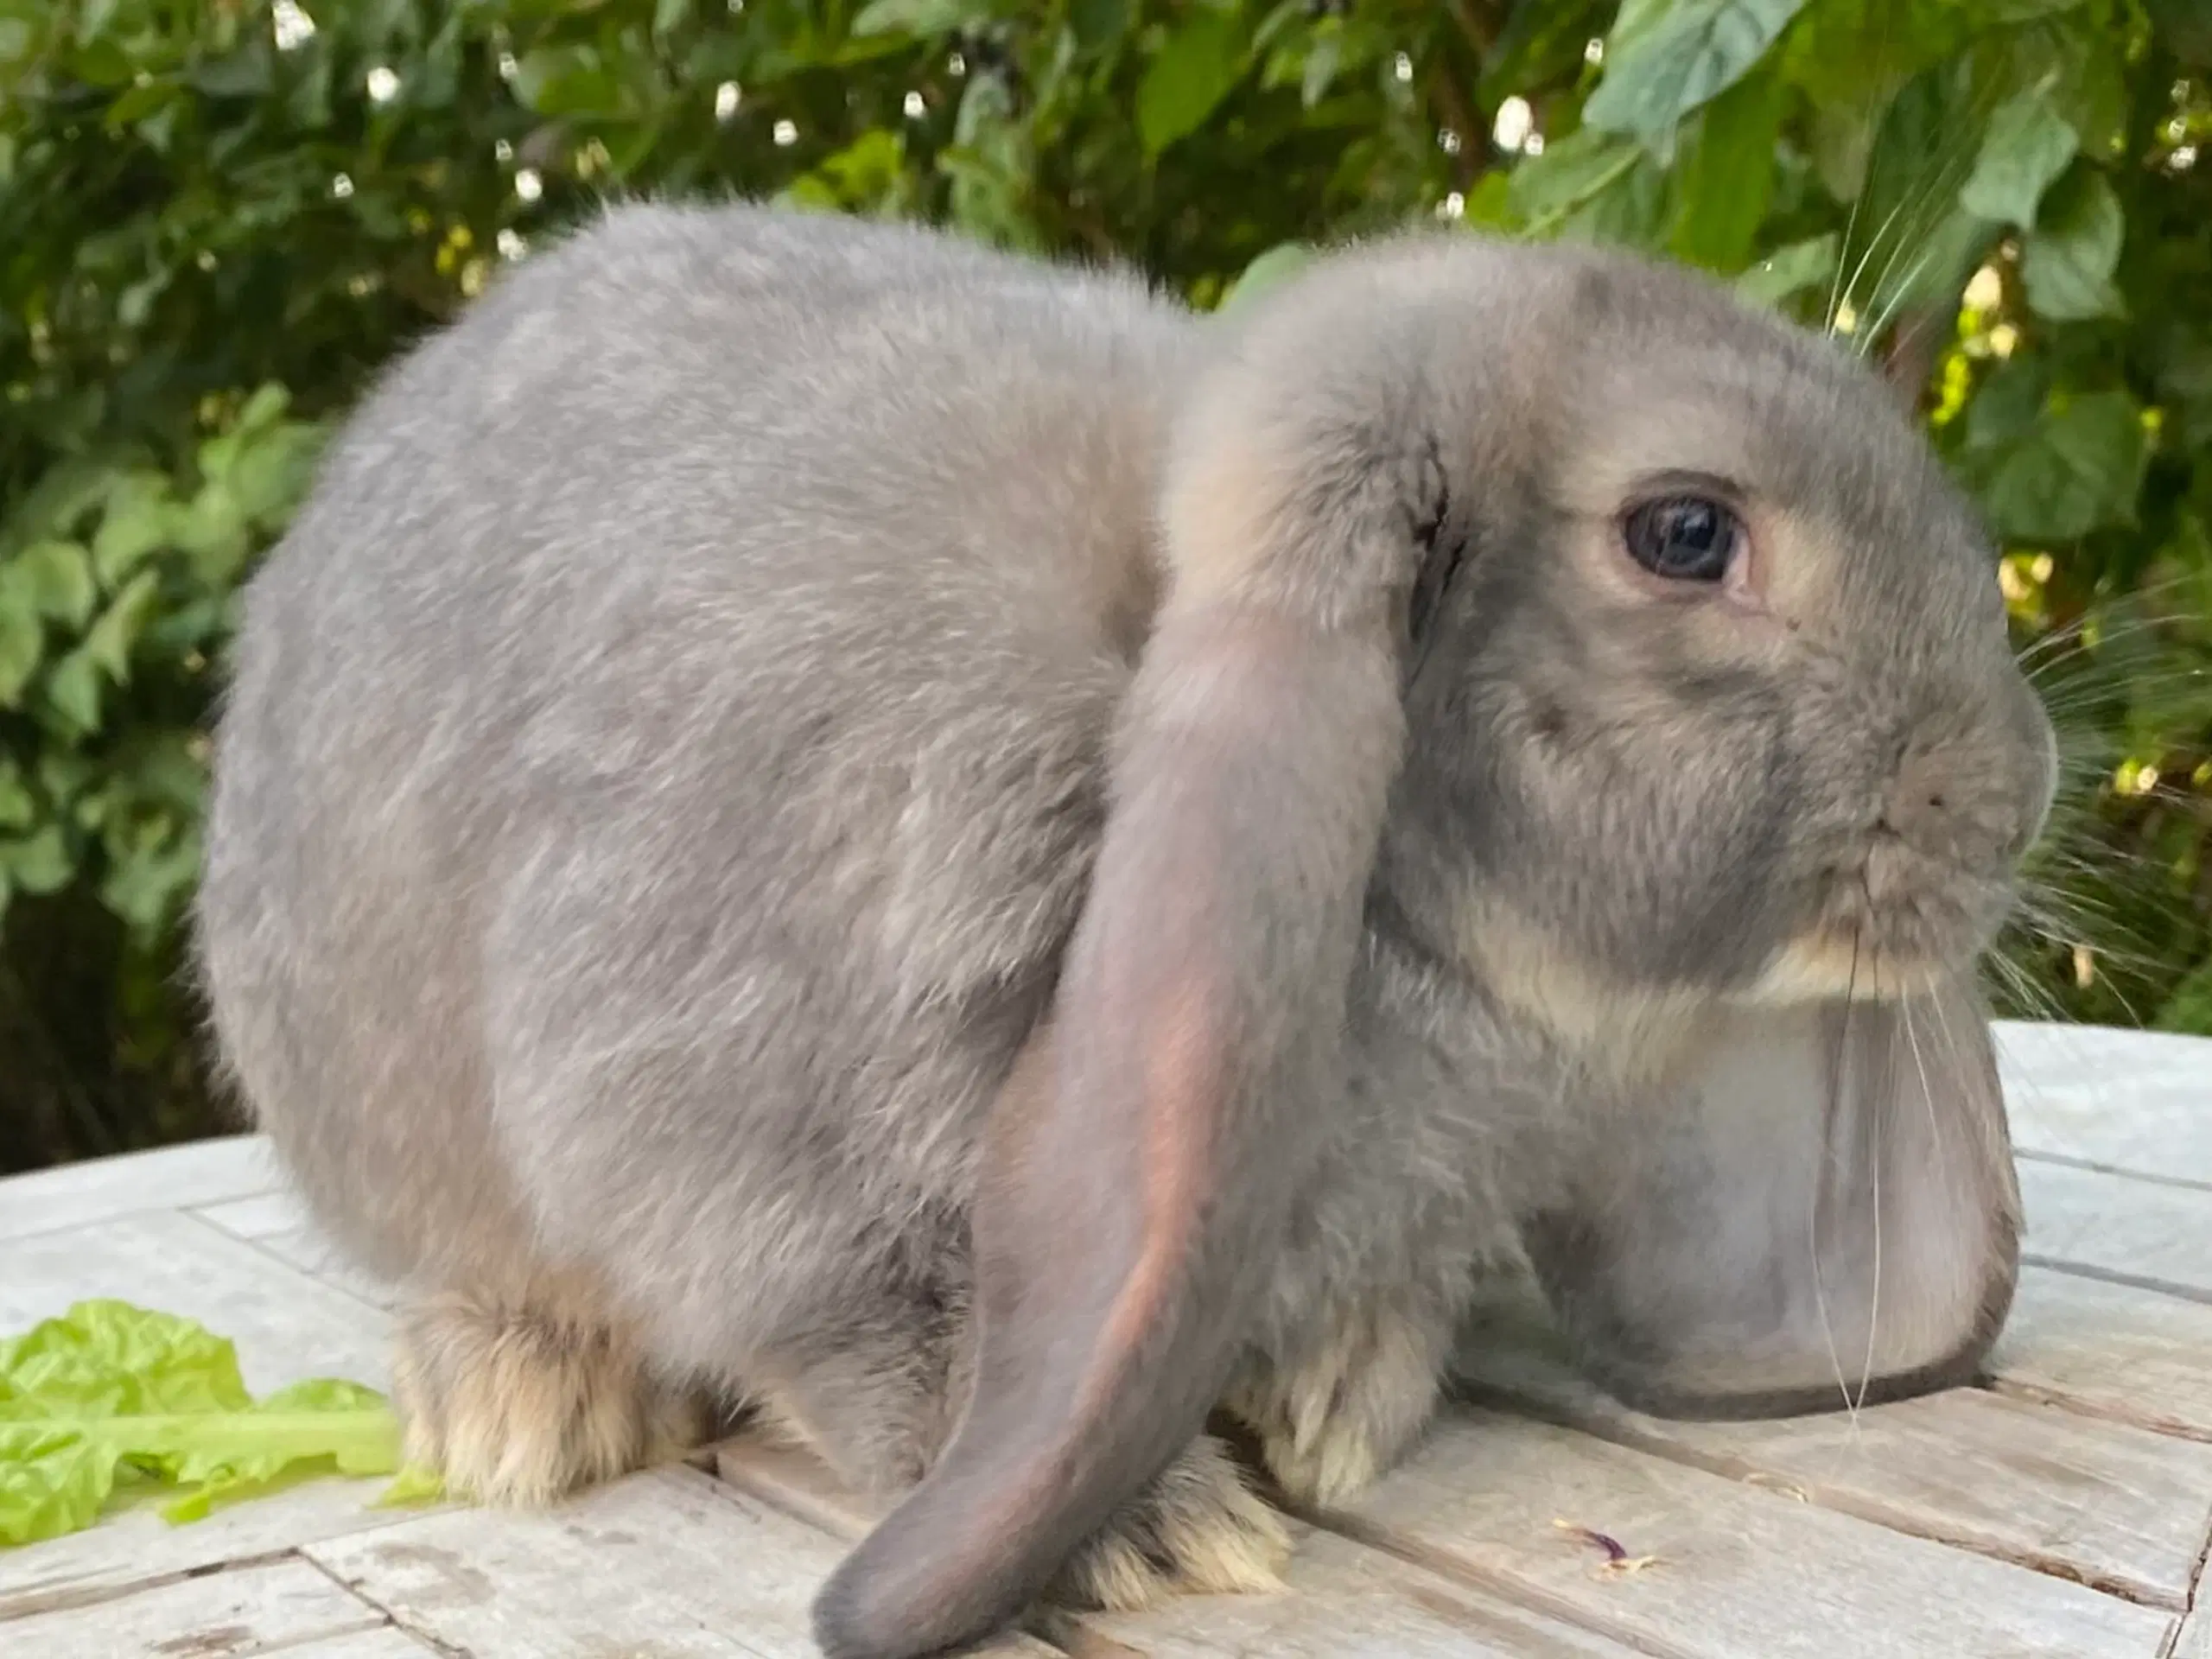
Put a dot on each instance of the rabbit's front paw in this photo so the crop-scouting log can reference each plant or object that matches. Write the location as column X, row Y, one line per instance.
column 1197, row 1529
column 1327, row 1427
column 515, row 1405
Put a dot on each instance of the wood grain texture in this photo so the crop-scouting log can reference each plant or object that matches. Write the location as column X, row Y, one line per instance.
column 387, row 1643
column 2109, row 1350
column 287, row 1325
column 672, row 1562
column 128, row 1551
column 1344, row 1600
column 1347, row 1601
column 2109, row 1504
column 278, row 1223
column 2117, row 1227
column 204, row 1172
column 2140, row 1101
column 1955, row 1527
column 1735, row 1572
column 272, row 1606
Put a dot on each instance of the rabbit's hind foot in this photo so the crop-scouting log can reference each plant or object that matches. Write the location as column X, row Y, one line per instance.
column 1198, row 1529
column 516, row 1402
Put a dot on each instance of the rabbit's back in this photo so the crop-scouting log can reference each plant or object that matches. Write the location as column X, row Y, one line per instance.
column 663, row 759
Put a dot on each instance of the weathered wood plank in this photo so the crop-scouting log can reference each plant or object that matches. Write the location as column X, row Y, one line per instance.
column 673, row 1562
column 278, row 1223
column 2135, row 1100
column 1735, row 1571
column 250, row 1610
column 1347, row 1601
column 204, row 1172
column 387, row 1643
column 287, row 1326
column 265, row 1215
column 134, row 1548
column 2112, row 1504
column 2130, row 1231
column 2110, row 1351
column 1344, row 1600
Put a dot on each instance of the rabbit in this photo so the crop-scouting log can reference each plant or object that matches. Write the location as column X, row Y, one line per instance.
column 815, row 814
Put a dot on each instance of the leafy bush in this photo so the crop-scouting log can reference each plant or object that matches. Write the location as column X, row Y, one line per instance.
column 219, row 216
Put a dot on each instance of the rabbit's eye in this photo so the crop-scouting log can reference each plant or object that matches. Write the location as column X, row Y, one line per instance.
column 1685, row 538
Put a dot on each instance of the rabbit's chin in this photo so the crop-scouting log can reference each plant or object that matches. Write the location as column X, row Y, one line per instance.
column 1825, row 966
column 1634, row 1029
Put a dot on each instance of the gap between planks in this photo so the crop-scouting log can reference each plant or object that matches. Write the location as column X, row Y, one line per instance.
column 1674, row 1444
column 428, row 1640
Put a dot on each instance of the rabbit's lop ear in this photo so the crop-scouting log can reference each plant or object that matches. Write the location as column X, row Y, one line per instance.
column 1829, row 1216
column 1140, row 1163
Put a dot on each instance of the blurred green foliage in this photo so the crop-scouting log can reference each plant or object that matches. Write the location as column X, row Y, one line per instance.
column 219, row 216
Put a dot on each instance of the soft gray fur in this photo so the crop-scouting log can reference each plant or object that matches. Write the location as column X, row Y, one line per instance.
column 755, row 677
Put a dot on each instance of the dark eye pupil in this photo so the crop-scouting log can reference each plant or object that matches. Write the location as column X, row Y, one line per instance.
column 1685, row 539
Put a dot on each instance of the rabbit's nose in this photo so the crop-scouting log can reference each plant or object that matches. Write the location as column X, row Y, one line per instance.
column 1921, row 797
column 1946, row 803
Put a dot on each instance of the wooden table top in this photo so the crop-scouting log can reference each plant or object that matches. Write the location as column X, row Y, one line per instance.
column 2062, row 1509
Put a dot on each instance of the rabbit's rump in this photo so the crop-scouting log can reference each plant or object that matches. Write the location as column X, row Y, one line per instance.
column 663, row 767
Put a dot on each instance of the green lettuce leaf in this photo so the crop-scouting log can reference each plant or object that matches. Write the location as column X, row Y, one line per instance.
column 110, row 1394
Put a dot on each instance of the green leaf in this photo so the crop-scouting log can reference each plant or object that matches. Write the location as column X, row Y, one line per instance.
column 1630, row 211
column 1490, row 204
column 272, row 469
column 2008, row 405
column 62, row 496
column 1544, row 42
column 2189, row 1007
column 989, row 164
column 140, row 520
column 1680, row 61
column 109, row 1390
column 869, row 174
column 1187, row 78
column 38, row 862
column 56, row 579
column 2026, row 148
column 412, row 1487
column 1099, row 22
column 925, row 18
column 1570, row 174
column 1285, row 260
column 567, row 80
column 21, row 643
column 18, row 806
column 146, row 884
column 76, row 688
column 2076, row 470
column 1726, row 181
column 2068, row 261
column 1320, row 71
column 263, row 410
column 110, row 639
column 1789, row 271
column 74, row 692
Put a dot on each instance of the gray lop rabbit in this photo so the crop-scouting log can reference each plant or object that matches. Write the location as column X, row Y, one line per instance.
column 815, row 814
